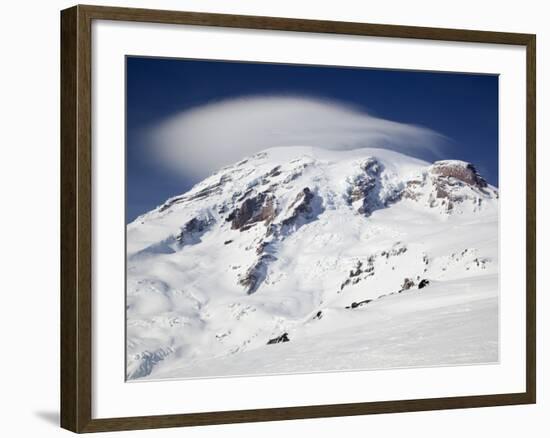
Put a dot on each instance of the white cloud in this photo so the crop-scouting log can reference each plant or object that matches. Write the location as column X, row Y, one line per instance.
column 201, row 140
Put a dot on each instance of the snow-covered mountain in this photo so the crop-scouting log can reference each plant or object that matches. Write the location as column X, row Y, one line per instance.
column 304, row 259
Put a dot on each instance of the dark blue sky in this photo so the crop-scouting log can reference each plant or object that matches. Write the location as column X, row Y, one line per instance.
column 463, row 107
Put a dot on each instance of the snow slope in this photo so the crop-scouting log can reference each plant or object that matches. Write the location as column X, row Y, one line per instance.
column 300, row 259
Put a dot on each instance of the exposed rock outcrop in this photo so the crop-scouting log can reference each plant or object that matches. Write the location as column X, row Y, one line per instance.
column 412, row 189
column 194, row 195
column 357, row 304
column 423, row 283
column 259, row 208
column 367, row 191
column 359, row 273
column 256, row 274
column 460, row 170
column 283, row 338
column 365, row 187
column 192, row 231
column 301, row 208
column 276, row 171
column 300, row 205
column 450, row 185
column 407, row 284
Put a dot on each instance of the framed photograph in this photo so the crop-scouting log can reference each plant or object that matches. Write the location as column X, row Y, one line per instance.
column 269, row 218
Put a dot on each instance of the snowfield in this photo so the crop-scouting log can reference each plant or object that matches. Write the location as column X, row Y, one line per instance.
column 300, row 259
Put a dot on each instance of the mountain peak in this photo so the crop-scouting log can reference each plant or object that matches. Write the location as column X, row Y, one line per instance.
column 460, row 170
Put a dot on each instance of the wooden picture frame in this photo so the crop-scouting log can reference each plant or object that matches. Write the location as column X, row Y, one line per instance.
column 76, row 218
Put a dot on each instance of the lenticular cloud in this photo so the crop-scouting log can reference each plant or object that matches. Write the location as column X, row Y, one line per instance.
column 199, row 141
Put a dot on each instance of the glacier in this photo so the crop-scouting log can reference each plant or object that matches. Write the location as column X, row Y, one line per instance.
column 302, row 259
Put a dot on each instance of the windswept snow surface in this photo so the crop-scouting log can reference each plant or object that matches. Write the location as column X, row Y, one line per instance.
column 300, row 259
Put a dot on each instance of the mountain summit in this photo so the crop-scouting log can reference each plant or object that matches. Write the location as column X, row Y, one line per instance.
column 331, row 255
